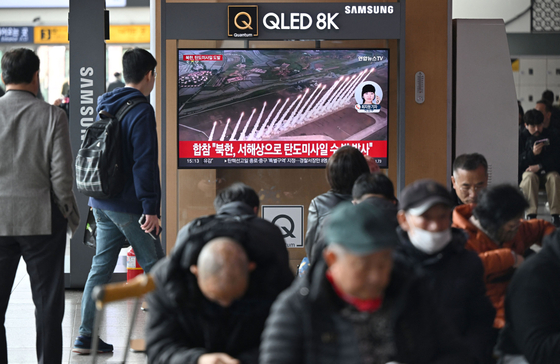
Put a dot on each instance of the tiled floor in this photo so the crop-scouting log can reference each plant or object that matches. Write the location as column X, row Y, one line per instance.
column 20, row 326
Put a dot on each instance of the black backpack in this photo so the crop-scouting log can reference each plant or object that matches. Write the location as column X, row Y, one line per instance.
column 99, row 171
column 192, row 238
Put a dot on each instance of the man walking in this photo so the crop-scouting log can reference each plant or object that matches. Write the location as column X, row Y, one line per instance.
column 117, row 83
column 118, row 218
column 38, row 205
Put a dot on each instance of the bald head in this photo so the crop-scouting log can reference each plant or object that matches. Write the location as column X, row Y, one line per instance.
column 222, row 271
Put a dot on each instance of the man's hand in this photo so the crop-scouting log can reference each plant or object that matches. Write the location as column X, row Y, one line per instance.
column 537, row 148
column 150, row 224
column 372, row 164
column 217, row 358
column 534, row 168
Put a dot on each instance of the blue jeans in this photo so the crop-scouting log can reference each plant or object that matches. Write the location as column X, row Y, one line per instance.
column 112, row 229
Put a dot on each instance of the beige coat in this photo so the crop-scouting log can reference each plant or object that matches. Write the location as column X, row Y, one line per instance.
column 35, row 166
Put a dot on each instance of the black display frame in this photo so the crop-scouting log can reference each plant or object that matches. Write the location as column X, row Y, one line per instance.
column 382, row 162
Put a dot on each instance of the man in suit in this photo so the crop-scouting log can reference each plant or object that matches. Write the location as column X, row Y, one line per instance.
column 117, row 83
column 36, row 199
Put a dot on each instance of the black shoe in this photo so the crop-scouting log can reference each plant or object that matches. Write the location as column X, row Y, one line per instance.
column 532, row 216
column 82, row 345
column 556, row 220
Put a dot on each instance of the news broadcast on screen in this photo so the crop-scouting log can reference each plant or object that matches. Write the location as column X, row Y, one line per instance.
column 280, row 108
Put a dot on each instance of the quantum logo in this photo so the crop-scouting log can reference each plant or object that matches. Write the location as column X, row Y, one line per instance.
column 243, row 21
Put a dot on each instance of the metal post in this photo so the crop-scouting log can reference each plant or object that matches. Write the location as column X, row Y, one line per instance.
column 401, row 125
column 86, row 33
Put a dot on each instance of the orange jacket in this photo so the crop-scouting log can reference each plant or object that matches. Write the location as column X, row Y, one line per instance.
column 497, row 260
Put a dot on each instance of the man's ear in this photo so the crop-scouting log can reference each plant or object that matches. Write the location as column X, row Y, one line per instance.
column 194, row 270
column 256, row 210
column 147, row 76
column 453, row 181
column 252, row 266
column 329, row 256
column 402, row 221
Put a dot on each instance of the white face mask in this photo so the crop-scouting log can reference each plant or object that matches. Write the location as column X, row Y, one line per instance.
column 429, row 242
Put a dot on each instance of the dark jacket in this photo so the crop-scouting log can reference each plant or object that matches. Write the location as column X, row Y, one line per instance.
column 306, row 325
column 183, row 324
column 142, row 191
column 320, row 207
column 533, row 307
column 456, row 277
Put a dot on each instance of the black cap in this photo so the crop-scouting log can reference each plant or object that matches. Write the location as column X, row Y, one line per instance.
column 362, row 229
column 419, row 196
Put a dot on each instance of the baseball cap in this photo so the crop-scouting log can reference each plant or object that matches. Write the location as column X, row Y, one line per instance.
column 419, row 196
column 362, row 229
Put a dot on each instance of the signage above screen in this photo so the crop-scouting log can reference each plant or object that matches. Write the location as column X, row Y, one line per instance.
column 275, row 21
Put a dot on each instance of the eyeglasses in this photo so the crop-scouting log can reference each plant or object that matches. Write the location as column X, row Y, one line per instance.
column 467, row 189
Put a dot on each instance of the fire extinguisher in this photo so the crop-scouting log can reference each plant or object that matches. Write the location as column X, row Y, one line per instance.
column 133, row 269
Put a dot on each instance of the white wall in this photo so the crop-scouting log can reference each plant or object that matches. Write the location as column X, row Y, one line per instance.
column 486, row 108
column 495, row 9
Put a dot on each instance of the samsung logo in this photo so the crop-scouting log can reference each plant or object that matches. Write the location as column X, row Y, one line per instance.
column 369, row 9
column 86, row 98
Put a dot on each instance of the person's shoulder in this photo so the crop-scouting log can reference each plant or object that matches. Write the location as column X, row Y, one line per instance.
column 259, row 221
column 161, row 271
column 142, row 107
column 330, row 199
column 296, row 295
column 48, row 109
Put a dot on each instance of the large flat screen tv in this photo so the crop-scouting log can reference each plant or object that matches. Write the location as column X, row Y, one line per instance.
column 280, row 108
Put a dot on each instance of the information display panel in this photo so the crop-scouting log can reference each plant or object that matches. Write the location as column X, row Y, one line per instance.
column 280, row 108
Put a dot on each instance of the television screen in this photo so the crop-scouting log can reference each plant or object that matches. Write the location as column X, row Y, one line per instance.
column 280, row 108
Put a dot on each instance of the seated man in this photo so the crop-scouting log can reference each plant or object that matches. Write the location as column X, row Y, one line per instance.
column 539, row 160
column 548, row 96
column 429, row 244
column 354, row 307
column 532, row 331
column 470, row 175
column 240, row 201
column 546, row 108
column 200, row 308
column 376, row 189
column 499, row 236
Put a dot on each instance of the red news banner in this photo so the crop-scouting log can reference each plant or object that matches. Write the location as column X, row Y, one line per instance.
column 276, row 149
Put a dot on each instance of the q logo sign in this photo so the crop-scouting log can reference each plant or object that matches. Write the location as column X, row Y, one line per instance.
column 243, row 21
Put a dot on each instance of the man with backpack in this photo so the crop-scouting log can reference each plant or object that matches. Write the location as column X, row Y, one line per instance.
column 218, row 316
column 118, row 217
